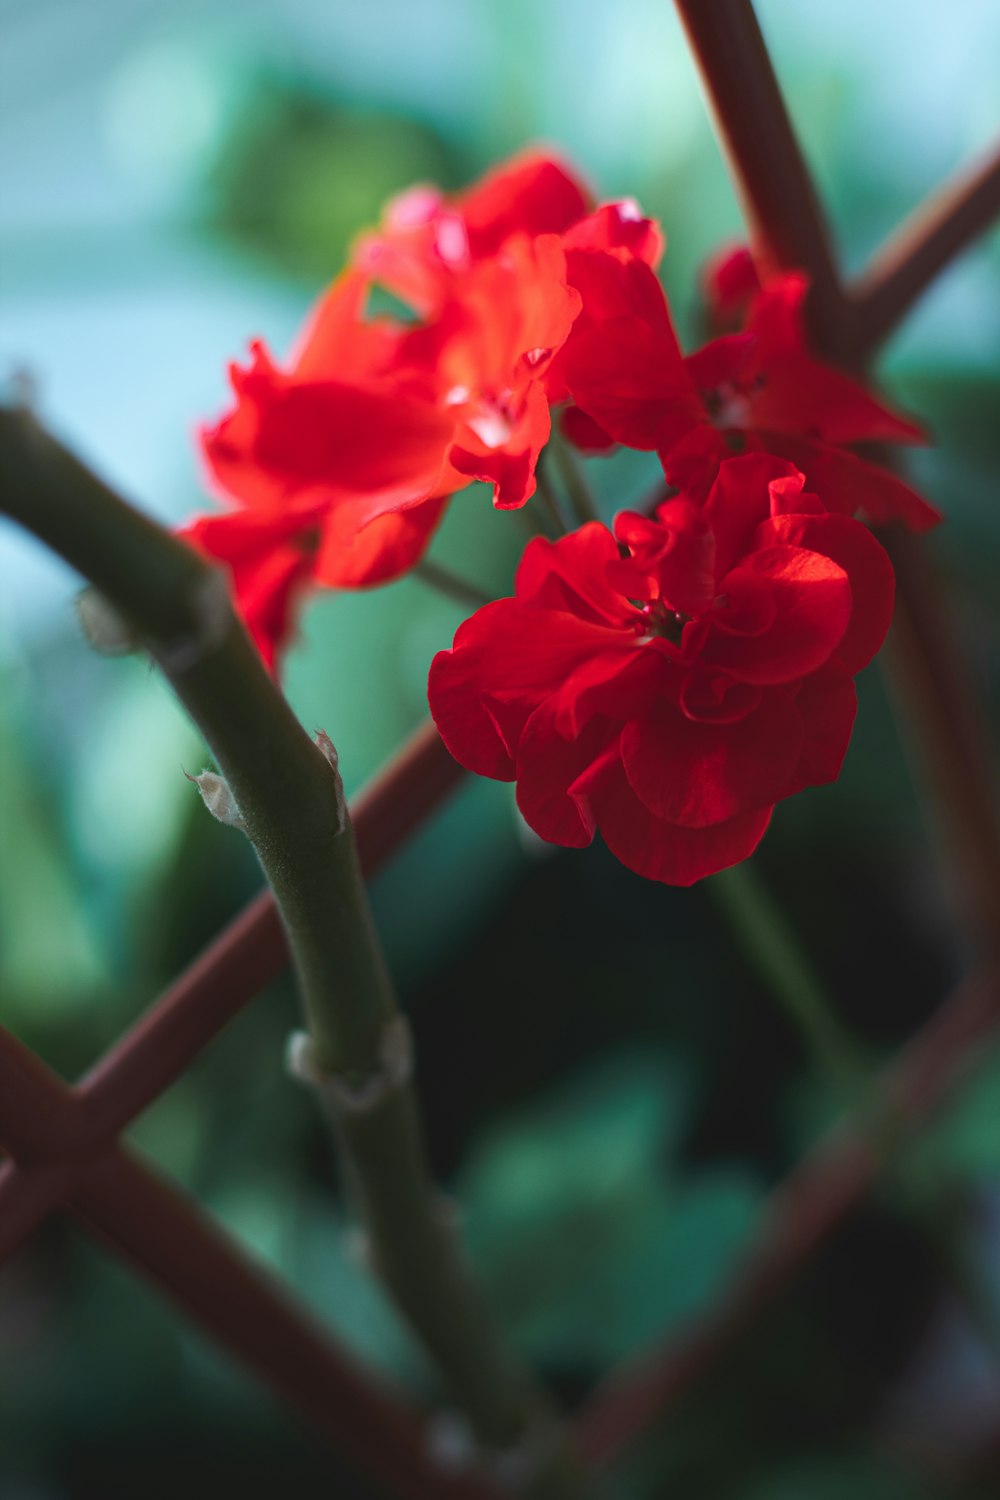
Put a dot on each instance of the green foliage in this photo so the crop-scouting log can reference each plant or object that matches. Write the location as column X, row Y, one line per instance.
column 592, row 1238
column 51, row 960
column 965, row 1144
column 301, row 173
column 837, row 1476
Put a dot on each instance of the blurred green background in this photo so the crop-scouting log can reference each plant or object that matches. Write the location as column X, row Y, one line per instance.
column 607, row 1089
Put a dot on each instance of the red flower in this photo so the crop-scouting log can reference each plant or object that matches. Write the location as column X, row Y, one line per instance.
column 427, row 239
column 272, row 560
column 617, row 232
column 344, row 431
column 347, row 457
column 485, row 356
column 759, row 390
column 378, row 416
column 669, row 697
column 274, row 557
column 729, row 283
column 350, row 453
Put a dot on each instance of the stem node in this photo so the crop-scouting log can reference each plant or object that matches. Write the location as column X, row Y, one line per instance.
column 341, row 1095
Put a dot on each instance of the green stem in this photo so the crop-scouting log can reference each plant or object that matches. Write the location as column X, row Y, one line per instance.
column 289, row 799
column 546, row 493
column 574, row 483
column 449, row 583
column 773, row 949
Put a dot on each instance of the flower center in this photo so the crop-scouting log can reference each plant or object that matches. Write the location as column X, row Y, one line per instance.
column 493, row 419
column 659, row 619
column 727, row 407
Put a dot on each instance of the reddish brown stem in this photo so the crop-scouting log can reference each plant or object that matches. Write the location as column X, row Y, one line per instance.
column 800, row 1216
column 930, row 684
column 774, row 183
column 28, row 1195
column 169, row 1240
column 152, row 1224
column 922, row 247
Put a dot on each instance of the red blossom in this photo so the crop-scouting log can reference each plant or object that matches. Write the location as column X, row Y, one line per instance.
column 729, row 283
column 350, row 452
column 343, row 431
column 523, row 298
column 668, row 687
column 275, row 556
column 272, row 560
column 377, row 421
column 486, row 355
column 760, row 389
column 427, row 239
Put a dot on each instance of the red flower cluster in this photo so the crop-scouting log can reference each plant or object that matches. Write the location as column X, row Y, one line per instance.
column 760, row 390
column 667, row 687
column 341, row 465
column 671, row 695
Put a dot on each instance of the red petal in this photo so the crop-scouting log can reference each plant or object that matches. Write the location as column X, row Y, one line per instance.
column 618, row 226
column 614, row 287
column 615, row 692
column 571, row 574
column 425, row 239
column 678, row 549
column 692, row 463
column 664, row 851
column 532, row 193
column 623, row 374
column 548, row 768
column 386, row 548
column 827, row 703
column 812, row 603
column 868, row 569
column 725, row 361
column 420, row 242
column 849, row 484
column 509, row 465
column 284, row 440
column 583, row 432
column 337, row 343
column 776, row 317
column 728, row 282
column 271, row 563
column 798, row 394
column 698, row 774
column 510, row 654
column 509, row 314
column 740, row 498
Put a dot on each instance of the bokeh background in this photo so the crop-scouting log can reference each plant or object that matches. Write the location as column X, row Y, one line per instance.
column 607, row 1088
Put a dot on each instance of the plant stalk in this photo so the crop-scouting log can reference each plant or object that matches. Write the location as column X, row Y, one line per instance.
column 772, row 948
column 289, row 799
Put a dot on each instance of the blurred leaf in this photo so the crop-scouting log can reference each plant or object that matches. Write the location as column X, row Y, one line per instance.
column 328, row 1270
column 588, row 1245
column 50, row 963
column 837, row 1476
column 301, row 174
column 318, row 1252
column 966, row 1142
